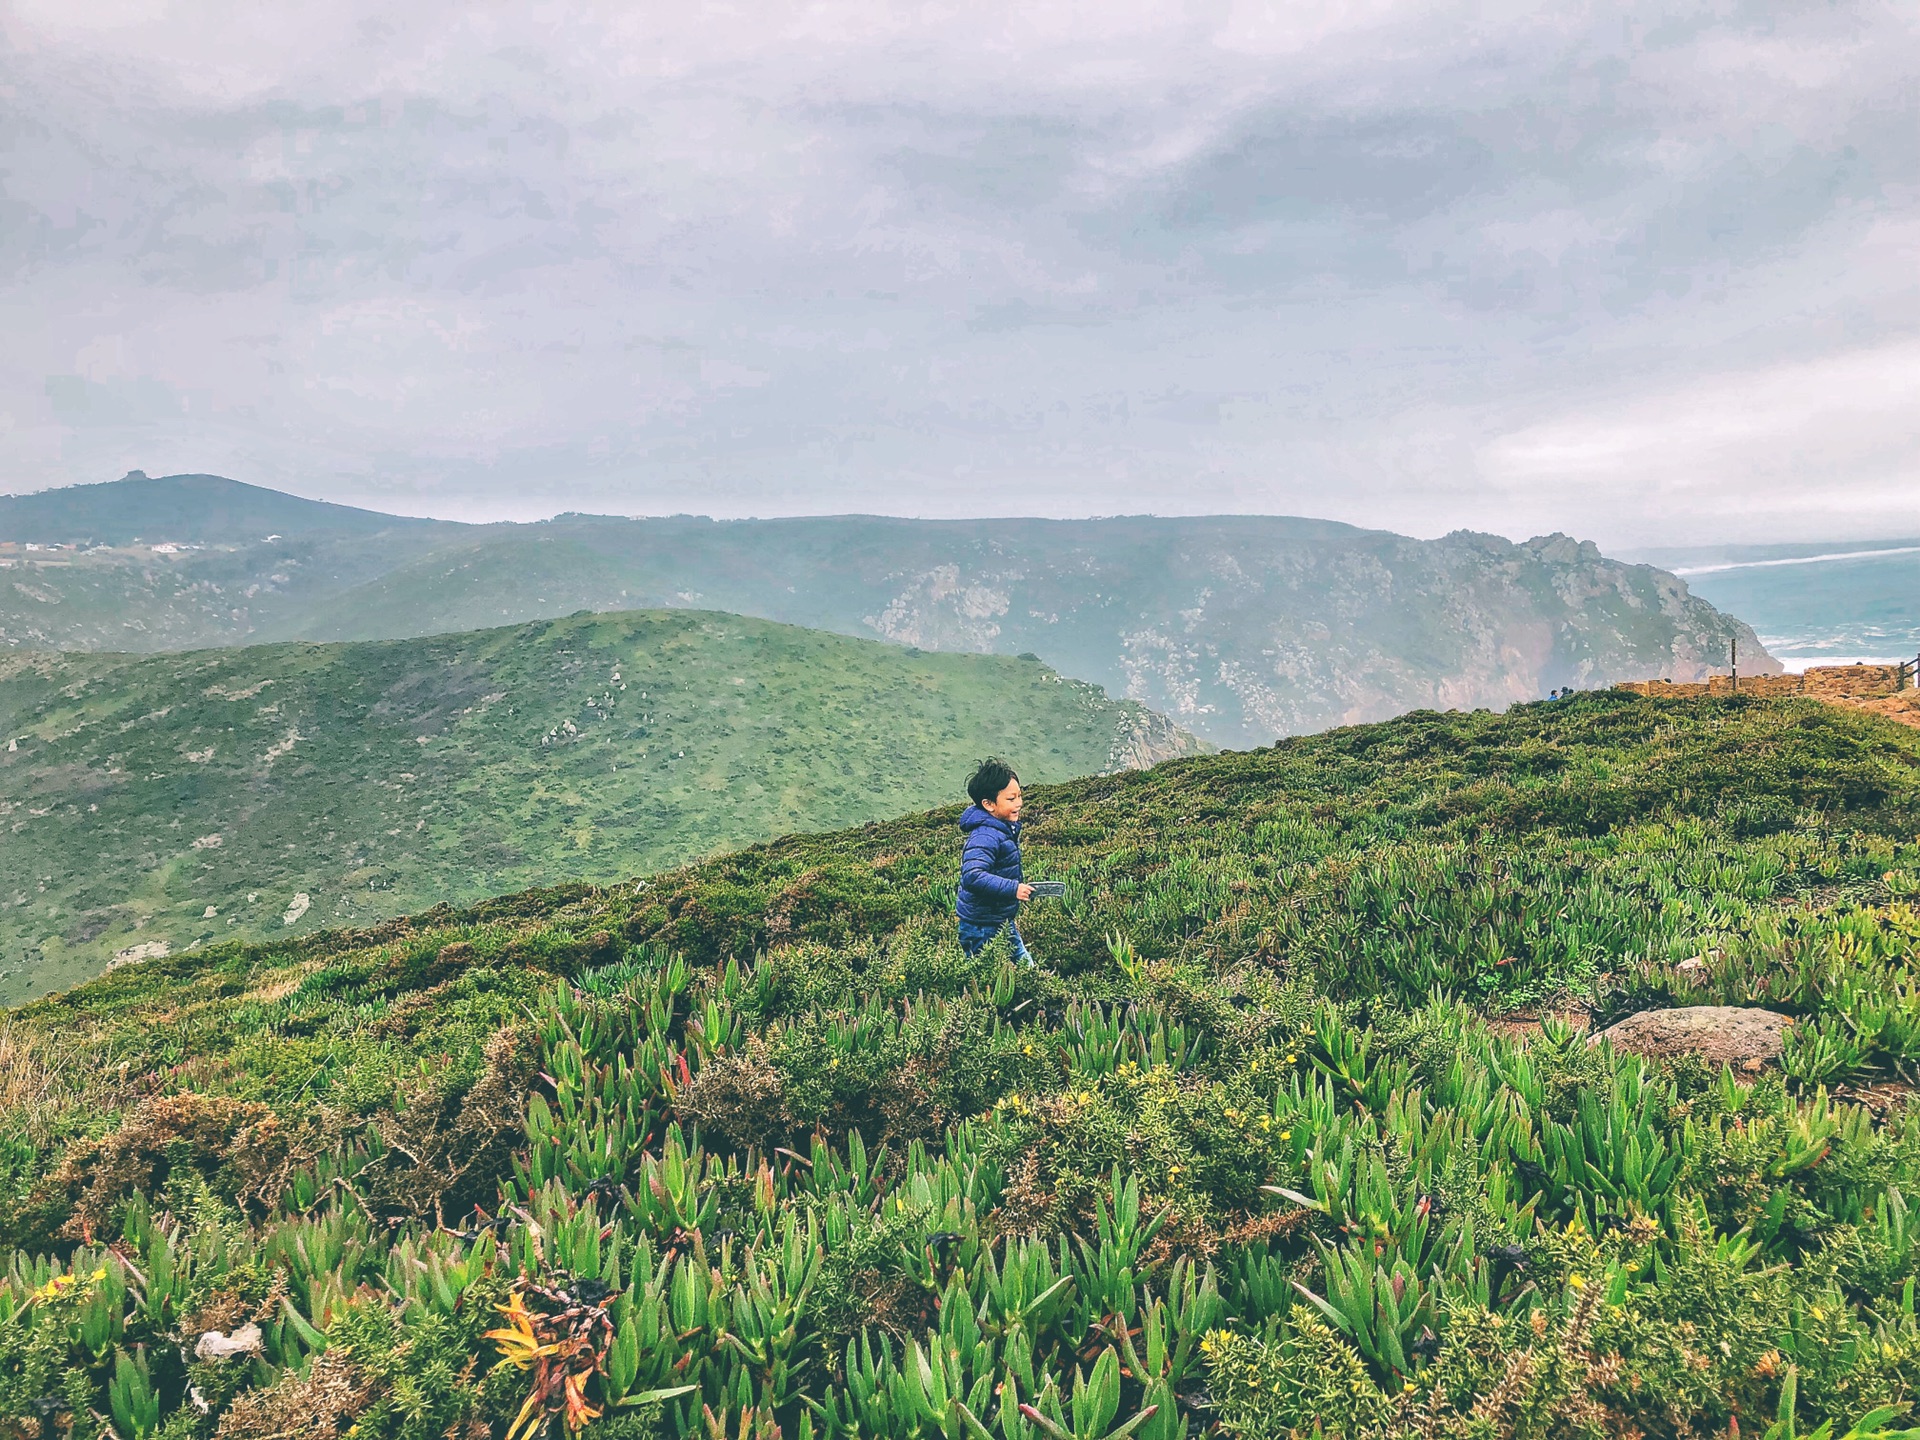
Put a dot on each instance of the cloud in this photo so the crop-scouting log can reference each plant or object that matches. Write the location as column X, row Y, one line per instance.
column 1851, row 417
column 1415, row 265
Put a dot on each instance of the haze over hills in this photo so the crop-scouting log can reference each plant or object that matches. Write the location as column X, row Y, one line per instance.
column 1242, row 628
column 260, row 792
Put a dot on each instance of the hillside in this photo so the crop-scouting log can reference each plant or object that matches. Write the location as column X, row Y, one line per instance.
column 1243, row 628
column 176, row 800
column 1259, row 1149
column 1240, row 628
column 197, row 509
column 133, row 598
column 185, row 561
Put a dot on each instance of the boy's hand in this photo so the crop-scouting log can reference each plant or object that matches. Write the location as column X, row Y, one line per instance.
column 1025, row 892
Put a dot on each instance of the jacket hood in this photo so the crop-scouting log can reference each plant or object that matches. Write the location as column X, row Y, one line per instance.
column 974, row 817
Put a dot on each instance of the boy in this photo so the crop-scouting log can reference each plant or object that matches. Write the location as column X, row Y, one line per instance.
column 991, row 887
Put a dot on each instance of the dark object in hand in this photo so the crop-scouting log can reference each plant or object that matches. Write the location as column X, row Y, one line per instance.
column 1048, row 889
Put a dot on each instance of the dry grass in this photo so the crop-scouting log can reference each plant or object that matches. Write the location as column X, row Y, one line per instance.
column 1902, row 708
column 280, row 983
column 33, row 1084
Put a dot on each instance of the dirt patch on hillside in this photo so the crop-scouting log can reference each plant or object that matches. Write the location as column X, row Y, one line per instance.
column 1524, row 1025
column 1877, row 689
column 1881, row 1098
column 1903, row 708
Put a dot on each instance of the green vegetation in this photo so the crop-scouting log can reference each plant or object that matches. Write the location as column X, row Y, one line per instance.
column 754, row 1150
column 1240, row 628
column 176, row 800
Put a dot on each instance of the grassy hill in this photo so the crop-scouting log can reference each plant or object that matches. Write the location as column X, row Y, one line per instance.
column 1240, row 628
column 176, row 800
column 1259, row 1149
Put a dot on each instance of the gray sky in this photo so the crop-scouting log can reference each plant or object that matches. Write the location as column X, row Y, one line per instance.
column 1647, row 273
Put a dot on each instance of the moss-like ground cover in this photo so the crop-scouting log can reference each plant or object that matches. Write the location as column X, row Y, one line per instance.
column 752, row 1149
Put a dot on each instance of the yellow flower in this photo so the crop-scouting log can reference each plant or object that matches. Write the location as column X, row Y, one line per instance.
column 1286, row 1134
column 1175, row 1170
column 1292, row 1058
column 518, row 1343
column 1577, row 1281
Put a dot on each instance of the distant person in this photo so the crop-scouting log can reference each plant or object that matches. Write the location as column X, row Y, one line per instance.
column 991, row 886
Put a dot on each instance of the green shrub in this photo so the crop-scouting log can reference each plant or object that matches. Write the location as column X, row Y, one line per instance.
column 1286, row 1126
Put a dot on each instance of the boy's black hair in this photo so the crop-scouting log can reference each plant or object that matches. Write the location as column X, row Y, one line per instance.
column 989, row 780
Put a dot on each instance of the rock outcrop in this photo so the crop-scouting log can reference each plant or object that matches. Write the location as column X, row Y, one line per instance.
column 1735, row 1035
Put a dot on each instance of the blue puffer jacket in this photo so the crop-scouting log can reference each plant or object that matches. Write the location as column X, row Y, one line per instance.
column 989, row 869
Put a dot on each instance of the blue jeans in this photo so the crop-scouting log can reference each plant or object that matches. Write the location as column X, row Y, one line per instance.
column 975, row 938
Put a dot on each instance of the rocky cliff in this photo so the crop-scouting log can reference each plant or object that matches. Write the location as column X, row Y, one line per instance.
column 1244, row 630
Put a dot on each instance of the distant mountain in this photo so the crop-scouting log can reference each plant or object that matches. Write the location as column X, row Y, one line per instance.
column 166, row 800
column 1242, row 628
column 197, row 509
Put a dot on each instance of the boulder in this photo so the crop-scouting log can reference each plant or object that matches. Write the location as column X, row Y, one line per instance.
column 247, row 1340
column 1733, row 1035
